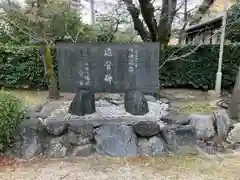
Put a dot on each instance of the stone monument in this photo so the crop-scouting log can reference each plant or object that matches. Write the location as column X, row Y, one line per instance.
column 113, row 68
column 234, row 105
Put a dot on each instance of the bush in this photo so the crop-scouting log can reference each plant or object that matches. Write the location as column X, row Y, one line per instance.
column 21, row 67
column 198, row 70
column 11, row 114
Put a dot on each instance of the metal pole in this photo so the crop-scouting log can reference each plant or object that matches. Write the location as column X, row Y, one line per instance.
column 219, row 72
column 93, row 11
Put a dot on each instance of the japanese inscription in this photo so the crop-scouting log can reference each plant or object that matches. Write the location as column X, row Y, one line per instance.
column 108, row 65
column 83, row 72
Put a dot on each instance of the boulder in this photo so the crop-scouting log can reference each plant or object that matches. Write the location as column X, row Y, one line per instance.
column 173, row 118
column 170, row 137
column 185, row 135
column 153, row 146
column 78, row 139
column 156, row 109
column 116, row 140
column 150, row 98
column 57, row 148
column 80, row 133
column 28, row 139
column 57, row 128
column 203, row 125
column 234, row 135
column 85, row 150
column 222, row 123
column 135, row 103
column 83, row 103
column 146, row 128
column 80, row 127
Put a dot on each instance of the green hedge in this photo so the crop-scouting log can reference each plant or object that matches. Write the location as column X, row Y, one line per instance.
column 21, row 66
column 198, row 70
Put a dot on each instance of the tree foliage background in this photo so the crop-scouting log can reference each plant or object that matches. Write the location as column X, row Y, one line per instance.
column 233, row 24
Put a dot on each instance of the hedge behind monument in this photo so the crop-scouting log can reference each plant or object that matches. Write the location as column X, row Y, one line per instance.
column 198, row 70
column 20, row 66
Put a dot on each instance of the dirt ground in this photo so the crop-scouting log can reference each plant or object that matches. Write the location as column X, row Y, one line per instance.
column 138, row 168
column 182, row 167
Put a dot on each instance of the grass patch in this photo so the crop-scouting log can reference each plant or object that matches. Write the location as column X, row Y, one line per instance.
column 196, row 107
column 29, row 98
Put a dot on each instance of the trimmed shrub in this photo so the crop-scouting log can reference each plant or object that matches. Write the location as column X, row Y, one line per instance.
column 21, row 67
column 198, row 70
column 11, row 114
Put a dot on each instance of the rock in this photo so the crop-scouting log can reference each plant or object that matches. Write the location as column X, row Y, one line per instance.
column 78, row 139
column 146, row 128
column 49, row 107
column 116, row 140
column 222, row 123
column 31, row 147
column 28, row 140
column 82, row 128
column 203, row 125
column 57, row 128
column 35, row 115
column 170, row 137
column 83, row 103
column 150, row 98
column 234, row 135
column 185, row 135
column 135, row 103
column 161, row 124
column 85, row 150
column 116, row 99
column 153, row 146
column 156, row 109
column 57, row 148
column 176, row 119
column 80, row 132
column 164, row 100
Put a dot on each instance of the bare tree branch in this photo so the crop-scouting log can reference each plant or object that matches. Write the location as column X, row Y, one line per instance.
column 138, row 24
column 147, row 11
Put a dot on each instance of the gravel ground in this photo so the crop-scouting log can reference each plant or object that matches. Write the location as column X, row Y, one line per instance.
column 141, row 168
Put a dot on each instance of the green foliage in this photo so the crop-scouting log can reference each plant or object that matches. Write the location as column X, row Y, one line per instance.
column 21, row 67
column 233, row 24
column 199, row 69
column 11, row 114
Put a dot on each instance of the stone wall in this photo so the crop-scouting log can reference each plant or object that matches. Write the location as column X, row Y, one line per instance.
column 115, row 137
column 51, row 131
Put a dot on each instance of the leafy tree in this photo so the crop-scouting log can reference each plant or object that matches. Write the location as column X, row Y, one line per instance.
column 233, row 24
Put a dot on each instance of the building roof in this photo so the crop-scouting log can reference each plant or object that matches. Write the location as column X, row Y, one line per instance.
column 210, row 21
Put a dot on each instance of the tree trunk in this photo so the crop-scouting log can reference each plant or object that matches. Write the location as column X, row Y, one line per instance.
column 53, row 92
column 182, row 31
column 47, row 55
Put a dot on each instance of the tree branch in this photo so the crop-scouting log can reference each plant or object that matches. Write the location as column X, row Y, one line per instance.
column 147, row 11
column 138, row 24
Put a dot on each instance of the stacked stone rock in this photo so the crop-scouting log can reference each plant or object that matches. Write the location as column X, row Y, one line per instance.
column 59, row 139
column 122, row 136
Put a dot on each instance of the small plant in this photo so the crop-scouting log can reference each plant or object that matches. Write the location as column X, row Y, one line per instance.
column 11, row 113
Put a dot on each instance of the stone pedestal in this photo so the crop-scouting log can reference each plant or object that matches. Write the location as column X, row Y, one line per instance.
column 135, row 103
column 83, row 103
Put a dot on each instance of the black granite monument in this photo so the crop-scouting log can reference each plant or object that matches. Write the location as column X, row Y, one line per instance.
column 115, row 68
